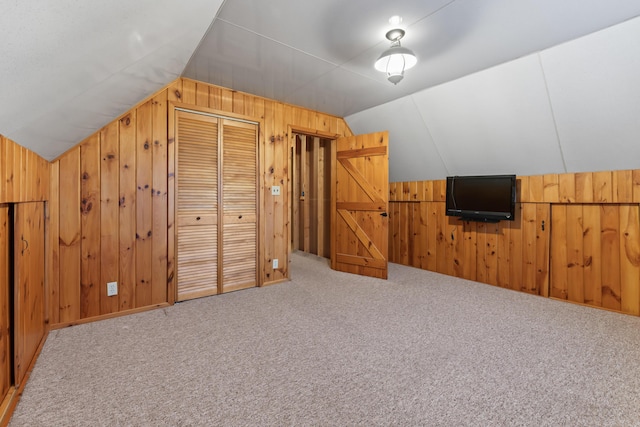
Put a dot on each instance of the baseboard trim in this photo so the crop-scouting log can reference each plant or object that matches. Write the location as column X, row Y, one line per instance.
column 13, row 395
column 63, row 325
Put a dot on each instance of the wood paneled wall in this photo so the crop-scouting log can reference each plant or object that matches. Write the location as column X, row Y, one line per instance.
column 112, row 201
column 587, row 251
column 24, row 176
column 509, row 254
column 110, row 196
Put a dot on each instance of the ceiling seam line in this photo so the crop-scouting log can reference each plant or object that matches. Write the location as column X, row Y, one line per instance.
column 277, row 41
column 553, row 115
column 340, row 65
column 426, row 126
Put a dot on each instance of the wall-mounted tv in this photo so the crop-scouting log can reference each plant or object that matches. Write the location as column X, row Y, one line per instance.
column 488, row 198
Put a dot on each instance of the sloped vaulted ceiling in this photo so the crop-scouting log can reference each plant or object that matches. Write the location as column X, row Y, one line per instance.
column 68, row 67
column 527, row 86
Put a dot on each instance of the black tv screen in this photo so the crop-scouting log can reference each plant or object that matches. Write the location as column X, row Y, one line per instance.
column 488, row 198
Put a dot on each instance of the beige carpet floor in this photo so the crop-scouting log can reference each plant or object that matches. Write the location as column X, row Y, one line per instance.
column 334, row 349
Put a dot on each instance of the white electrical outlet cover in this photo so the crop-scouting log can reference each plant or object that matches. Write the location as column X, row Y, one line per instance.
column 112, row 289
column 275, row 263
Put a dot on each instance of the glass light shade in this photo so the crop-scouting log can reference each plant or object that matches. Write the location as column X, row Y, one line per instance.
column 395, row 60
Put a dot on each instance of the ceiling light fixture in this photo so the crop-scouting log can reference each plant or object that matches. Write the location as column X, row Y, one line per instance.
column 395, row 60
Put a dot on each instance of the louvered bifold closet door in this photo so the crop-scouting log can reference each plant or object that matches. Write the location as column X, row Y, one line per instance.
column 197, row 204
column 239, row 205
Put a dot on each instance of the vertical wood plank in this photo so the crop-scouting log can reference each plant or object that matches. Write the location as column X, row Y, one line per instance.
column 515, row 249
column 439, row 190
column 323, row 200
column 529, row 248
column 422, row 229
column 171, row 206
column 413, row 191
column 522, row 184
column 268, row 177
column 159, row 197
column 174, row 93
column 559, row 256
column 551, row 190
column 394, row 233
column 433, row 210
column 610, row 253
column 427, row 194
column 393, row 191
column 575, row 253
column 144, row 204
column 5, row 302
column 109, row 226
column 584, row 187
column 414, row 234
column 622, row 186
column 602, row 187
column 9, row 173
column 567, row 188
column 470, row 250
column 127, row 212
column 592, row 258
column 3, row 179
column 420, row 191
column 280, row 206
column 536, row 188
column 238, row 102
column 481, row 256
column 406, row 191
column 202, row 94
column 503, row 254
column 543, row 222
column 226, row 100
column 189, row 92
column 491, row 253
column 90, row 284
column 630, row 259
column 53, row 271
column 635, row 176
column 441, row 243
column 70, row 236
column 404, row 233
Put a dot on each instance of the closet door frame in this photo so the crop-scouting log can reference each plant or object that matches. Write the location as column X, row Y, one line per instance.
column 172, row 189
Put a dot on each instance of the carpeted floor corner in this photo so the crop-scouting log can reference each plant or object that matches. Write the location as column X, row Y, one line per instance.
column 335, row 349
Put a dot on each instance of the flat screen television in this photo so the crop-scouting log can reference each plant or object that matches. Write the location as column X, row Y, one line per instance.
column 489, row 198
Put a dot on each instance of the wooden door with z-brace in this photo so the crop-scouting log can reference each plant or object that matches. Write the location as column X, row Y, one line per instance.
column 359, row 221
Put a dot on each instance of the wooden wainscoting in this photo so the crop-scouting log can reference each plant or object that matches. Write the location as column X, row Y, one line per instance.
column 509, row 254
column 587, row 253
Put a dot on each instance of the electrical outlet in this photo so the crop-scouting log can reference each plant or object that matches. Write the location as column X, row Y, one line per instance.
column 275, row 263
column 112, row 289
column 275, row 190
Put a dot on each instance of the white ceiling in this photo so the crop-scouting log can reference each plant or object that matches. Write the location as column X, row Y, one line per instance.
column 69, row 67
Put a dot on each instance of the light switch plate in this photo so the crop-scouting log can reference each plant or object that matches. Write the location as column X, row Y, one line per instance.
column 275, row 263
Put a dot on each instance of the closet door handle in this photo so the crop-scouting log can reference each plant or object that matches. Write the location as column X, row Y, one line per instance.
column 384, row 214
column 25, row 245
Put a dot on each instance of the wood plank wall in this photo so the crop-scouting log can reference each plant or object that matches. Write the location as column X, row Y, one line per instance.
column 24, row 176
column 588, row 252
column 112, row 202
